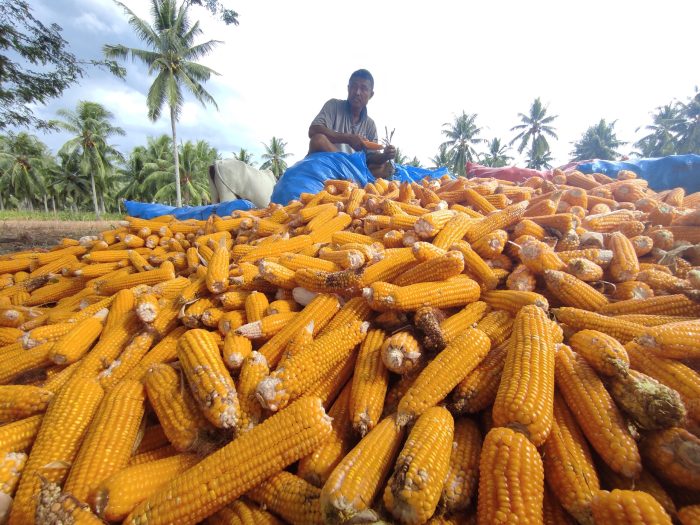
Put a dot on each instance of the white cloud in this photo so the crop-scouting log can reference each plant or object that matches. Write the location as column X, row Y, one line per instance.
column 599, row 59
column 93, row 24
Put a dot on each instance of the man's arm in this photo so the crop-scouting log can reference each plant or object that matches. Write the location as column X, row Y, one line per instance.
column 355, row 141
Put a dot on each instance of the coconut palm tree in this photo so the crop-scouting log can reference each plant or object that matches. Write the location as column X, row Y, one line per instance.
column 598, row 142
column 443, row 158
column 462, row 135
column 497, row 155
column 414, row 162
column 688, row 129
column 662, row 140
column 400, row 158
column 173, row 56
column 90, row 123
column 245, row 156
column 534, row 130
column 274, row 157
column 22, row 161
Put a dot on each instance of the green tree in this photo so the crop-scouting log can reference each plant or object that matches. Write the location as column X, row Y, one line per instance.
column 462, row 135
column 68, row 183
column 598, row 142
column 400, row 158
column 90, row 123
column 497, row 155
column 173, row 56
column 275, row 156
column 539, row 159
column 414, row 162
column 245, row 156
column 688, row 129
column 443, row 158
column 662, row 140
column 22, row 160
column 35, row 65
column 215, row 7
column 533, row 131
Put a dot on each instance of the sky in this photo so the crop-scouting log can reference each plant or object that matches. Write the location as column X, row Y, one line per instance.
column 617, row 60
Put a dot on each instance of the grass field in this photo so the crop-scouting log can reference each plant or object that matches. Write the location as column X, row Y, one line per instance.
column 24, row 233
column 21, row 215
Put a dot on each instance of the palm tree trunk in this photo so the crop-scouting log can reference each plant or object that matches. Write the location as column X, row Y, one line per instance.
column 176, row 157
column 46, row 204
column 102, row 204
column 2, row 204
column 94, row 195
column 53, row 204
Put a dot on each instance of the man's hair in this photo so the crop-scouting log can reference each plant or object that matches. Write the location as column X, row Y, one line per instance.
column 363, row 73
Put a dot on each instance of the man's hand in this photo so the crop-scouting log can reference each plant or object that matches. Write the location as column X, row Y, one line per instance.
column 355, row 142
column 390, row 152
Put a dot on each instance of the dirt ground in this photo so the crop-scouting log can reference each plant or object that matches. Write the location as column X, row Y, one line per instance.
column 16, row 235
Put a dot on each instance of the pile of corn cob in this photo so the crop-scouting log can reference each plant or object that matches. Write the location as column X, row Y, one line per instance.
column 486, row 353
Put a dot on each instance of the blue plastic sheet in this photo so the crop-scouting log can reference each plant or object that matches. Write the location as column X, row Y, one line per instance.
column 309, row 174
column 663, row 173
column 147, row 210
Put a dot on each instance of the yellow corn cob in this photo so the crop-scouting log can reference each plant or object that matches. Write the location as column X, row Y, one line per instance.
column 64, row 287
column 574, row 292
column 346, row 258
column 243, row 512
column 217, row 269
column 442, row 374
column 456, row 324
column 253, row 370
column 603, row 352
column 192, row 314
column 54, row 506
column 281, row 306
column 650, row 319
column 11, row 467
column 568, row 464
column 313, row 363
column 624, row 265
column 621, row 507
column 669, row 452
column 355, row 483
column 234, row 299
column 152, row 455
column 520, row 279
column 290, row 497
column 230, row 321
column 525, row 395
column 454, row 230
column 320, row 311
column 602, row 258
column 661, row 282
column 295, row 261
column 18, row 436
column 317, row 466
column 278, row 275
column 414, row 489
column 457, row 291
column 266, row 327
column 108, row 442
column 120, row 493
column 538, row 257
column 355, row 309
column 138, row 261
column 21, row 401
column 511, row 484
column 152, row 438
column 441, row 267
column 238, row 466
column 328, row 388
column 577, row 319
column 236, row 349
column 183, row 424
column 369, row 384
column 645, row 483
column 211, row 384
column 462, row 476
column 662, row 305
column 491, row 244
column 513, row 301
column 10, row 335
column 497, row 325
column 401, row 352
column 62, row 430
column 389, row 268
column 255, row 305
column 496, row 221
column 72, row 346
column 596, row 413
column 689, row 515
column 54, row 382
column 18, row 361
column 671, row 373
column 152, row 277
column 478, row 389
column 129, row 358
column 632, row 290
column 425, row 251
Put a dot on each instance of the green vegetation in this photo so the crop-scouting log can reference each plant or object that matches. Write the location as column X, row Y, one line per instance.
column 21, row 215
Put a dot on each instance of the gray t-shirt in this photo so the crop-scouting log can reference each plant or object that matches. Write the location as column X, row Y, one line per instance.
column 335, row 114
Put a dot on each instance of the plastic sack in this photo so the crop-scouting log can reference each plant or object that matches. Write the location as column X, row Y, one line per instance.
column 509, row 173
column 309, row 174
column 146, row 210
column 662, row 173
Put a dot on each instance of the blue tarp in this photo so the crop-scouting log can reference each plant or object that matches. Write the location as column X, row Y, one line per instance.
column 309, row 174
column 662, row 173
column 147, row 210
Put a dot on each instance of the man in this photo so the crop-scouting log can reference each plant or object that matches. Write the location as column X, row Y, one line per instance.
column 342, row 125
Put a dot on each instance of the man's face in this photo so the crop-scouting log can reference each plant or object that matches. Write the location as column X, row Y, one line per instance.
column 359, row 92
